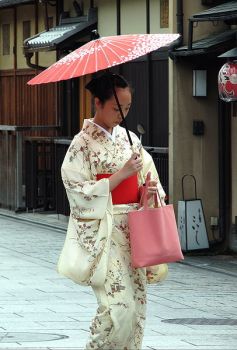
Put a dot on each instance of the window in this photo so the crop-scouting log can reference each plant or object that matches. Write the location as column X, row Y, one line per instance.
column 164, row 13
column 6, row 39
column 26, row 30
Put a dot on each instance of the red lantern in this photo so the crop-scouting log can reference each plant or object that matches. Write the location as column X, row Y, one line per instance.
column 227, row 82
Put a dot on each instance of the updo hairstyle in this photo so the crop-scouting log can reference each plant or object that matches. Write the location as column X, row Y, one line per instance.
column 101, row 87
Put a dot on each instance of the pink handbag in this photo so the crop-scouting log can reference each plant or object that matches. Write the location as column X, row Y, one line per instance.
column 153, row 233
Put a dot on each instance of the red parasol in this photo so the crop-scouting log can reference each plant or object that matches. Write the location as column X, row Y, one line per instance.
column 101, row 54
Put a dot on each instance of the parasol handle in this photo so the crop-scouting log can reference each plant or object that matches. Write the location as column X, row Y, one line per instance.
column 120, row 109
column 140, row 174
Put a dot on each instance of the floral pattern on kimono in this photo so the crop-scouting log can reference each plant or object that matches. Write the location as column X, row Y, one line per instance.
column 90, row 224
column 96, row 251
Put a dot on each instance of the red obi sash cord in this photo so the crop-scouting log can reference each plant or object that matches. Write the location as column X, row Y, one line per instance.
column 126, row 192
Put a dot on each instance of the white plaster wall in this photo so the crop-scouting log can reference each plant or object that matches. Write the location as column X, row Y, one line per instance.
column 155, row 17
column 133, row 17
column 107, row 18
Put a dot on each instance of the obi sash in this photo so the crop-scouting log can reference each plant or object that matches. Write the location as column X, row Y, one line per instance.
column 126, row 192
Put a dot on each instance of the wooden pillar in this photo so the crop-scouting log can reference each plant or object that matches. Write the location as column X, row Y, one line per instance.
column 15, row 62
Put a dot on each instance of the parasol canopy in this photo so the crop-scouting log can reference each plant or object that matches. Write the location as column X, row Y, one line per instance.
column 101, row 54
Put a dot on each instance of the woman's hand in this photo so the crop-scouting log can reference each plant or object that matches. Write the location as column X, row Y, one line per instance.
column 152, row 187
column 132, row 166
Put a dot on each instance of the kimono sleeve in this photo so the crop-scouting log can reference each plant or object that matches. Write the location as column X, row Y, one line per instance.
column 85, row 254
column 88, row 199
column 148, row 165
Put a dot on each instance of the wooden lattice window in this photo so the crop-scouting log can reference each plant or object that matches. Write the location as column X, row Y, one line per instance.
column 6, row 39
column 164, row 13
column 26, row 30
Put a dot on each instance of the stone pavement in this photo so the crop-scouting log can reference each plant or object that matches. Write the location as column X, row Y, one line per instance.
column 195, row 308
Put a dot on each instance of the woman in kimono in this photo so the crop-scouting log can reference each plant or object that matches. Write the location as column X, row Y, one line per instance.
column 102, row 175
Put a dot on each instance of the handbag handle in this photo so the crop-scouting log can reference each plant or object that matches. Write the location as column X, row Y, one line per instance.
column 144, row 197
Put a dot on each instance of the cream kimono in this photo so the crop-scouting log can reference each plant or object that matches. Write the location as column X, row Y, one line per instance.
column 97, row 250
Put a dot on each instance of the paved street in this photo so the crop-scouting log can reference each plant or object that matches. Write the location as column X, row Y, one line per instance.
column 195, row 308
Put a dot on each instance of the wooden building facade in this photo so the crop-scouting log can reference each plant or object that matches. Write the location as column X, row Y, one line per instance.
column 19, row 104
column 208, row 30
column 44, row 119
column 37, row 33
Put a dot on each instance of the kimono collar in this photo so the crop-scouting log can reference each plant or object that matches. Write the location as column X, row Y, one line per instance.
column 97, row 132
column 110, row 136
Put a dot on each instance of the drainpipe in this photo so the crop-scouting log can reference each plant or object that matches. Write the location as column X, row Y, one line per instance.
column 118, row 12
column 179, row 16
column 28, row 56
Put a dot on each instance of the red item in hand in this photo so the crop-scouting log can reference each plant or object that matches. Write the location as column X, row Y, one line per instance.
column 126, row 192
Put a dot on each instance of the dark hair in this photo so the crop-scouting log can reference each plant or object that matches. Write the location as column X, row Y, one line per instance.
column 101, row 86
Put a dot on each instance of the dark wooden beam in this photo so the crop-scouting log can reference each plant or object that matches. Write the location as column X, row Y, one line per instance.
column 118, row 12
column 15, row 63
column 148, row 24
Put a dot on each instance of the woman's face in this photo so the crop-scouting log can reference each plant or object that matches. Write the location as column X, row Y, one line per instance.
column 107, row 114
